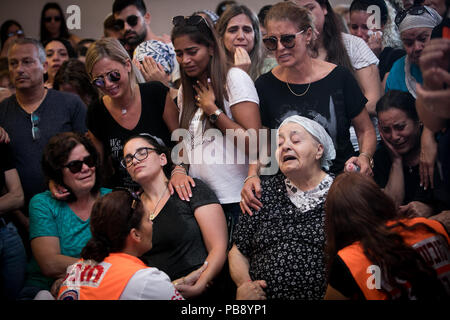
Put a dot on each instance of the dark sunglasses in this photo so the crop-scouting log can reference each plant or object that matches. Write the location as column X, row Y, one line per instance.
column 195, row 20
column 131, row 20
column 287, row 40
column 75, row 166
column 113, row 76
column 414, row 10
column 49, row 19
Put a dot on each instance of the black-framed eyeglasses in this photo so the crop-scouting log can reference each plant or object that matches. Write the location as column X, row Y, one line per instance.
column 195, row 20
column 131, row 20
column 287, row 40
column 414, row 11
column 35, row 132
column 140, row 155
column 133, row 194
column 113, row 76
column 49, row 19
column 14, row 33
column 75, row 166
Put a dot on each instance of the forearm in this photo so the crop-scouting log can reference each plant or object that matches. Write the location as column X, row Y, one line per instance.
column 56, row 266
column 395, row 187
column 239, row 266
column 367, row 141
column 216, row 260
column 10, row 202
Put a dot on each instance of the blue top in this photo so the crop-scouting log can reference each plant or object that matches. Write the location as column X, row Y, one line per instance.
column 54, row 218
column 396, row 77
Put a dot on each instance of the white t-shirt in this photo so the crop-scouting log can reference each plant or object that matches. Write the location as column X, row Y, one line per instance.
column 150, row 284
column 216, row 161
column 358, row 51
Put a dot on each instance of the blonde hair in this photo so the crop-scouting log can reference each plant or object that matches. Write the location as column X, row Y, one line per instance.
column 112, row 49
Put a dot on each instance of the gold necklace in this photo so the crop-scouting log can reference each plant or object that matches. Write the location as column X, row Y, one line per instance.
column 296, row 94
column 152, row 215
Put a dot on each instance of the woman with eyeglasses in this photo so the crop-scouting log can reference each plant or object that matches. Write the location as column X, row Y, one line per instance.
column 310, row 87
column 60, row 229
column 238, row 28
column 9, row 31
column 53, row 24
column 214, row 98
column 125, row 108
column 185, row 233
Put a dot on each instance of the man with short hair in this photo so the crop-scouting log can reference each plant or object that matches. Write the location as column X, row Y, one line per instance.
column 34, row 114
column 133, row 19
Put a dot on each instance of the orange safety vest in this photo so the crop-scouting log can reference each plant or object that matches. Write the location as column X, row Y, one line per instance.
column 434, row 248
column 87, row 280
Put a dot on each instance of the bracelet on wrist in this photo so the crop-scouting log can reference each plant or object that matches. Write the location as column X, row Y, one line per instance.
column 249, row 177
column 368, row 156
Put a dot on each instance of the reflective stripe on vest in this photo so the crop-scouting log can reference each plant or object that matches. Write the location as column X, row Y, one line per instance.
column 433, row 248
column 87, row 280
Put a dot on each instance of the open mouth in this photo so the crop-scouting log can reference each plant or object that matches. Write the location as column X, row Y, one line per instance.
column 289, row 158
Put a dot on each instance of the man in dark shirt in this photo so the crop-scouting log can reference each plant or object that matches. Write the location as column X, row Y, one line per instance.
column 34, row 114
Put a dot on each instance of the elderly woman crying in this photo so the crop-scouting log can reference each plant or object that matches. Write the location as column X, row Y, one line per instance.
column 278, row 250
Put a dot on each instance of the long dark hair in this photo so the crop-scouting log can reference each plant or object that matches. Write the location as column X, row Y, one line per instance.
column 4, row 30
column 56, row 153
column 217, row 68
column 332, row 38
column 73, row 72
column 63, row 31
column 358, row 210
column 112, row 218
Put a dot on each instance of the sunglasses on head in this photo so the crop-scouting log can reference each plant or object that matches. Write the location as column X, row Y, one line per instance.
column 113, row 76
column 287, row 40
column 75, row 166
column 49, row 19
column 195, row 20
column 416, row 10
column 131, row 21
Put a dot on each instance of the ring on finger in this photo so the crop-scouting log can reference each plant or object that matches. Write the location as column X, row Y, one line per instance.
column 183, row 186
column 177, row 186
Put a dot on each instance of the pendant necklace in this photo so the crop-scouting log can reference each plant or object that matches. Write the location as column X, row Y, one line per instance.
column 152, row 215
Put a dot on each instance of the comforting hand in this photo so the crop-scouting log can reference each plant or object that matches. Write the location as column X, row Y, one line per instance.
column 205, row 98
column 58, row 192
column 181, row 183
column 416, row 209
column 252, row 290
column 242, row 59
column 362, row 162
column 250, row 194
column 188, row 286
column 428, row 155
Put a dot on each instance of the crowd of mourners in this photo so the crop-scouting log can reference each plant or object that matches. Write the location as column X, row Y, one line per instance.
column 301, row 152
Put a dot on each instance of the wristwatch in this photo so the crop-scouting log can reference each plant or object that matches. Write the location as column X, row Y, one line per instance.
column 213, row 117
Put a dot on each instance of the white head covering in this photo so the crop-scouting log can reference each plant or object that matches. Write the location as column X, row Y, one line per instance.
column 429, row 19
column 319, row 133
